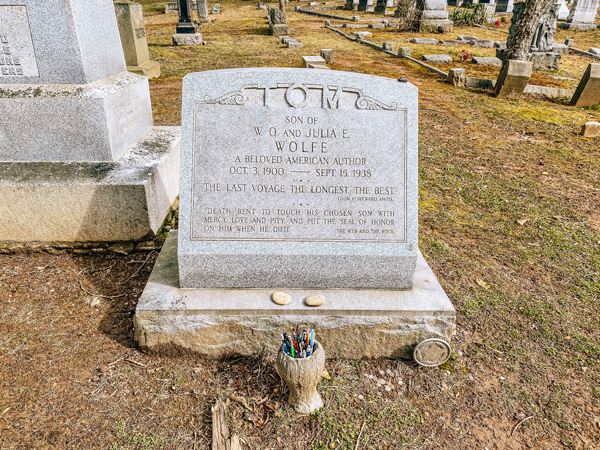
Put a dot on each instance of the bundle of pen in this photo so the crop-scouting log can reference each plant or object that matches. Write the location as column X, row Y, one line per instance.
column 300, row 344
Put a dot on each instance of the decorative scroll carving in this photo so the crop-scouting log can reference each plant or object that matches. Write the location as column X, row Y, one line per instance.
column 233, row 98
column 364, row 102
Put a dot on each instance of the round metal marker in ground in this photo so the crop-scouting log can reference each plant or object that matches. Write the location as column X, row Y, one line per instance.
column 432, row 352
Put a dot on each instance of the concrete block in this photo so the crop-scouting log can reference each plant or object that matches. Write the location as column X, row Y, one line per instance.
column 513, row 78
column 424, row 41
column 404, row 52
column 457, row 77
column 327, row 55
column 313, row 60
column 588, row 90
column 590, row 129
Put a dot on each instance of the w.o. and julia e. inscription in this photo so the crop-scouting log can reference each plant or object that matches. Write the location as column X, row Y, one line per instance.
column 290, row 169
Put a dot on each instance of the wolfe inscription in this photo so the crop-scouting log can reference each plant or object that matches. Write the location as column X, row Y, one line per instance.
column 17, row 56
column 295, row 162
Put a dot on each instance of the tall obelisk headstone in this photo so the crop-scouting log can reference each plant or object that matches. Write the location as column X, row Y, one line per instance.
column 74, row 124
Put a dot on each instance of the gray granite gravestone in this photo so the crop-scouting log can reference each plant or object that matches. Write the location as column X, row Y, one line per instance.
column 79, row 158
column 288, row 185
column 582, row 15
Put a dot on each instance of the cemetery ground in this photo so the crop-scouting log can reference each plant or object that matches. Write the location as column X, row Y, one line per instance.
column 509, row 221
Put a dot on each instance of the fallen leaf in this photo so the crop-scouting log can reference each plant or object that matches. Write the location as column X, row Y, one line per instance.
column 483, row 284
column 522, row 221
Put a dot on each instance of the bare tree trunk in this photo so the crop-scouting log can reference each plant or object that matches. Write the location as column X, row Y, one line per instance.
column 524, row 29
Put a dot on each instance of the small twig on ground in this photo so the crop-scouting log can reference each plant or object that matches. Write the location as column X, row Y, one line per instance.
column 240, row 400
column 99, row 295
column 519, row 424
column 135, row 363
column 359, row 434
column 137, row 271
column 114, row 362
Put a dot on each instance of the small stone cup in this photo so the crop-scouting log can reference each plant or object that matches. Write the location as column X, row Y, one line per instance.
column 302, row 375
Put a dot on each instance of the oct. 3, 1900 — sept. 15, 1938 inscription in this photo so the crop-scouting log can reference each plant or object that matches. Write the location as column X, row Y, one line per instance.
column 305, row 175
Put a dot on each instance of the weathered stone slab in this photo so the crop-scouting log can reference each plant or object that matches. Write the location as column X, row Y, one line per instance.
column 287, row 185
column 487, row 61
column 513, row 79
column 295, row 44
column 224, row 322
column 590, row 129
column 588, row 90
column 424, row 41
column 123, row 200
column 500, row 44
column 439, row 59
column 187, row 39
column 569, row 42
column 594, row 50
column 314, row 60
column 467, row 38
column 483, row 43
column 388, row 46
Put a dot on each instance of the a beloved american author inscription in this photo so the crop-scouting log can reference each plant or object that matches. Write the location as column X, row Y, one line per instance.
column 298, row 162
column 17, row 54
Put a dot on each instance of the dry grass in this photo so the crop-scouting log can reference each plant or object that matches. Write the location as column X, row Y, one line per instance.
column 528, row 340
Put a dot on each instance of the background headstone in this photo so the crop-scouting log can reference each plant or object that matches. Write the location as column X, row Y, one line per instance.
column 73, row 124
column 582, row 15
column 588, row 90
column 513, row 79
column 132, row 31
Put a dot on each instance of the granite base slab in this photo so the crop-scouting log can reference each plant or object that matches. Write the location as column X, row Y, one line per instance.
column 228, row 322
column 73, row 122
column 124, row 200
column 578, row 26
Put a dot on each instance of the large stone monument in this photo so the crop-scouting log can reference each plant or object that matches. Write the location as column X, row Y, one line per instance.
column 434, row 16
column 541, row 49
column 582, row 15
column 79, row 157
column 132, row 30
column 287, row 185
